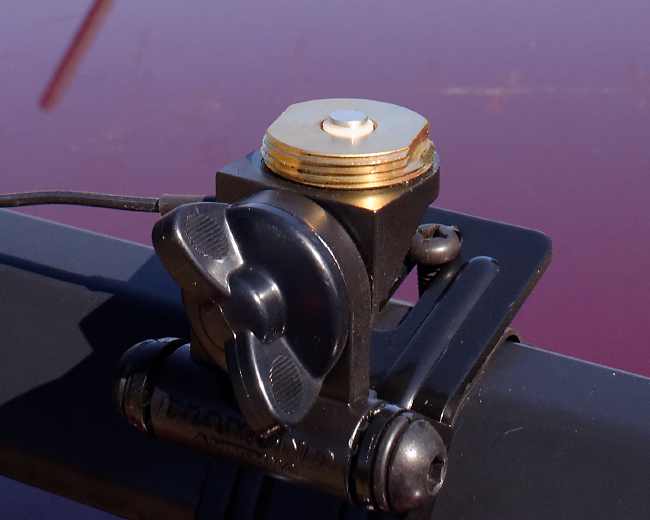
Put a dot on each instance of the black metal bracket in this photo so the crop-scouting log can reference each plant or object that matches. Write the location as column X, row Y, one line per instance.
column 429, row 360
column 380, row 450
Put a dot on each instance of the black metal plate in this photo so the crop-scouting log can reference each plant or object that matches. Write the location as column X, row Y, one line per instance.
column 427, row 362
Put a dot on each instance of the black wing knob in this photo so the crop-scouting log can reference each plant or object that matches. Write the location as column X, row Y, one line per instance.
column 279, row 288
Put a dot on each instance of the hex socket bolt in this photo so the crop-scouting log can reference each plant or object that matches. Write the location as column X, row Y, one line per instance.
column 376, row 454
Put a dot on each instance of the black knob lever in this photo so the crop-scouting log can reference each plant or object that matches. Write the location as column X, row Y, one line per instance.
column 279, row 288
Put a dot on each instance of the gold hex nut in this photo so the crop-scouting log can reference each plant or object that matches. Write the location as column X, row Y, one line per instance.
column 349, row 144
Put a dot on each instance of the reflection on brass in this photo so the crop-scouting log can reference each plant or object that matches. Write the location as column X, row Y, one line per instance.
column 348, row 144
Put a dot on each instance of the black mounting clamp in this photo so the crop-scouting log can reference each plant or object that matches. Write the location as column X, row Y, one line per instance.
column 299, row 364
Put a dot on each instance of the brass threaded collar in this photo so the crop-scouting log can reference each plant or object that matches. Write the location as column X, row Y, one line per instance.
column 348, row 144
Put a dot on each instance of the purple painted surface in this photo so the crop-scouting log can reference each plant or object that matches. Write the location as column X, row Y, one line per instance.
column 21, row 502
column 540, row 110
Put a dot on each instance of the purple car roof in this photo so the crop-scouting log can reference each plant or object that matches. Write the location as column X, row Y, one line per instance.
column 540, row 111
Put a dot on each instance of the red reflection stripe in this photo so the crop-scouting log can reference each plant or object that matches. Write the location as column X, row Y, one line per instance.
column 68, row 65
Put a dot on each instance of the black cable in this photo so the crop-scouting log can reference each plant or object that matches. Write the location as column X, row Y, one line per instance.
column 79, row 198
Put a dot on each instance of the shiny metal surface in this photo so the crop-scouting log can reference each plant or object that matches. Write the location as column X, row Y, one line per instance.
column 347, row 118
column 332, row 143
column 348, row 124
column 527, row 102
